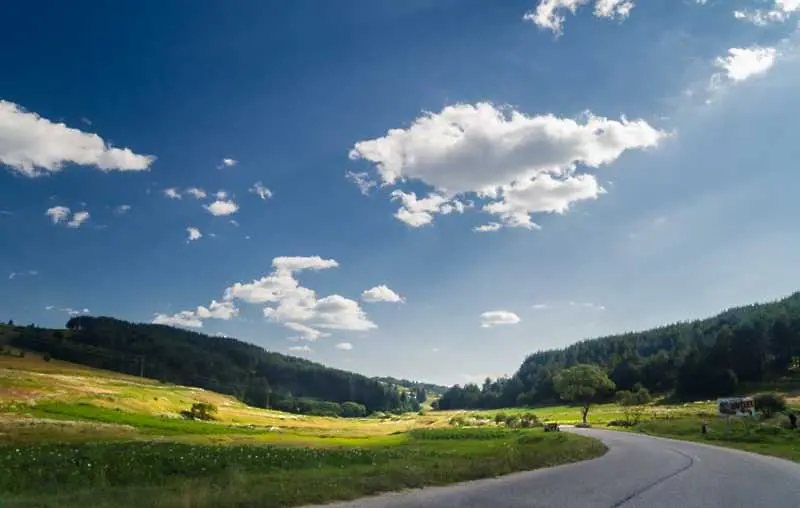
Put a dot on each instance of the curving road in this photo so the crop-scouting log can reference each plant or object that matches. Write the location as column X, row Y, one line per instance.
column 637, row 471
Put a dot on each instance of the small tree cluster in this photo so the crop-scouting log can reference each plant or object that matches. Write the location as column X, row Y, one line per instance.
column 633, row 403
column 769, row 403
column 203, row 411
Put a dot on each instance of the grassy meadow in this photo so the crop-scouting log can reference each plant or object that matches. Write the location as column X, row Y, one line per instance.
column 76, row 436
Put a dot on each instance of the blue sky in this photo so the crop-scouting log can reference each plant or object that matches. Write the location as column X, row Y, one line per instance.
column 531, row 176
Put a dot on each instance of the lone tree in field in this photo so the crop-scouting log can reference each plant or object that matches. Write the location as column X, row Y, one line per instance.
column 584, row 384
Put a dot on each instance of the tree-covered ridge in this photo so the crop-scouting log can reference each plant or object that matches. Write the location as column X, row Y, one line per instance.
column 225, row 365
column 696, row 359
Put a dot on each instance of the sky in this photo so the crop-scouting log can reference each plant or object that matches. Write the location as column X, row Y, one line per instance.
column 427, row 189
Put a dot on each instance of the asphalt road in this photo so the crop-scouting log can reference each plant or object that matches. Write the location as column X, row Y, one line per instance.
column 637, row 471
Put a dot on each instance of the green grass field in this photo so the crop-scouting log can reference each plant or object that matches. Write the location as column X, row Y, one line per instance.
column 75, row 436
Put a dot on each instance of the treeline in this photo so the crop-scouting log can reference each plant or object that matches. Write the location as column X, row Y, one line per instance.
column 421, row 390
column 257, row 377
column 690, row 360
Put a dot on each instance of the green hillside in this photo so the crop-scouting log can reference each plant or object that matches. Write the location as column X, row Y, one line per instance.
column 251, row 374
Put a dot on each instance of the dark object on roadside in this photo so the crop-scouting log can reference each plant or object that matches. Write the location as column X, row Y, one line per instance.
column 704, row 428
column 793, row 420
column 551, row 427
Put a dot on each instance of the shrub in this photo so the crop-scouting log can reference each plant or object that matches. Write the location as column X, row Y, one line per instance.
column 529, row 420
column 500, row 418
column 512, row 421
column 202, row 411
column 46, row 357
column 353, row 410
column 769, row 403
column 583, row 425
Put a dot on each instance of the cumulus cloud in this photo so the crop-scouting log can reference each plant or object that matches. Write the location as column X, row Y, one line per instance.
column 217, row 310
column 32, row 146
column 290, row 304
column 381, row 293
column 185, row 319
column 419, row 212
column 194, row 318
column 172, row 193
column 520, row 164
column 222, row 207
column 344, row 346
column 780, row 11
column 78, row 218
column 497, row 318
column 194, row 234
column 744, row 63
column 549, row 14
column 58, row 214
column 196, row 192
column 261, row 191
column 228, row 163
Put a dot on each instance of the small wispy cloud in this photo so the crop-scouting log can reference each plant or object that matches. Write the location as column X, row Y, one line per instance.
column 262, row 192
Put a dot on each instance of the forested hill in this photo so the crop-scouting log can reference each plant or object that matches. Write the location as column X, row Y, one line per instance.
column 225, row 365
column 428, row 388
column 698, row 359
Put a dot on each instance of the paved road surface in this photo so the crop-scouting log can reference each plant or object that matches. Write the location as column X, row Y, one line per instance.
column 637, row 471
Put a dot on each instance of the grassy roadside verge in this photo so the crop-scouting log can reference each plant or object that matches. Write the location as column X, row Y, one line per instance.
column 766, row 438
column 131, row 474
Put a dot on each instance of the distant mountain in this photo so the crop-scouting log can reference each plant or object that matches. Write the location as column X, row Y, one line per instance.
column 724, row 354
column 225, row 365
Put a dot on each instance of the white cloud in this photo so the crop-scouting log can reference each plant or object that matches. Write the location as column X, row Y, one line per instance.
column 172, row 193
column 194, row 319
column 298, row 304
column 221, row 194
column 262, row 192
column 58, row 214
column 196, row 192
column 222, row 207
column 498, row 317
column 78, row 218
column 229, row 163
column 194, row 234
column 300, row 349
column 122, row 209
column 186, row 319
column 217, row 310
column 33, row 146
column 488, row 228
column 14, row 275
column 381, row 293
column 294, row 306
column 298, row 263
column 744, row 63
column 780, row 11
column 344, row 346
column 521, row 164
column 362, row 181
column 306, row 332
column 419, row 212
column 549, row 14
column 540, row 306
